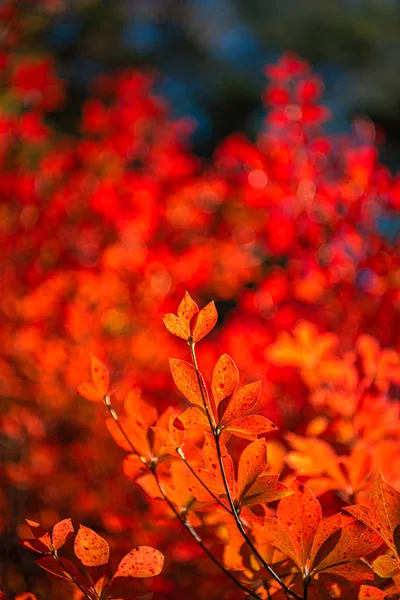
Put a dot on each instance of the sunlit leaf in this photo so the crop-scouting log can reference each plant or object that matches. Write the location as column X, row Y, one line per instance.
column 100, row 376
column 143, row 561
column 205, row 321
column 91, row 549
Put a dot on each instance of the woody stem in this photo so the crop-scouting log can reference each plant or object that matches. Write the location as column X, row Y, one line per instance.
column 59, row 560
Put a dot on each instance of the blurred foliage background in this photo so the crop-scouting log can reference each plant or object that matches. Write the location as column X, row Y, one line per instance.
column 210, row 55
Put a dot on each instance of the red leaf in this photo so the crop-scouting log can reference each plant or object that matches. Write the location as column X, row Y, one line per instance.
column 88, row 391
column 40, row 533
column 100, row 376
column 267, row 488
column 133, row 466
column 252, row 463
column 205, row 322
column 249, row 427
column 241, row 402
column 50, row 564
column 35, row 545
column 62, row 531
column 91, row 549
column 355, row 541
column 300, row 516
column 185, row 378
column 368, row 592
column 143, row 561
column 225, row 378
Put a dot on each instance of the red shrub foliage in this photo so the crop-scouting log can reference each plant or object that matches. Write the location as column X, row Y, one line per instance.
column 102, row 234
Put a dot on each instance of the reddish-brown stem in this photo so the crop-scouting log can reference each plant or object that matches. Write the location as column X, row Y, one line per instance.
column 239, row 524
column 59, row 560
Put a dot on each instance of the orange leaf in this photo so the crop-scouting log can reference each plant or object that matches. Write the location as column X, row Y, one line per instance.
column 267, row 488
column 186, row 311
column 193, row 417
column 89, row 392
column 325, row 539
column 355, row 541
column 135, row 433
column 143, row 561
column 185, row 378
column 249, row 427
column 252, row 463
column 368, row 592
column 241, row 402
column 62, row 531
column 133, row 466
column 100, row 376
column 205, row 321
column 91, row 549
column 175, row 326
column 300, row 516
column 354, row 571
column 385, row 500
column 136, row 407
column 225, row 378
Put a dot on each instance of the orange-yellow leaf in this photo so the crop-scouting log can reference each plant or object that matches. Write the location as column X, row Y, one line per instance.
column 193, row 417
column 174, row 325
column 386, row 566
column 185, row 378
column 300, row 516
column 225, row 378
column 249, row 427
column 252, row 463
column 89, row 392
column 62, row 531
column 241, row 402
column 186, row 311
column 91, row 549
column 143, row 561
column 100, row 376
column 205, row 321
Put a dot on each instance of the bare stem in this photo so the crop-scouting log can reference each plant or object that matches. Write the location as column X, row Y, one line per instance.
column 239, row 523
column 199, row 479
column 84, row 592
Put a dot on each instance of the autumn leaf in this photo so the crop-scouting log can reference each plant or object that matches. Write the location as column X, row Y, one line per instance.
column 385, row 501
column 89, row 392
column 241, row 402
column 204, row 322
column 185, row 378
column 193, row 417
column 368, row 592
column 62, row 531
column 91, row 549
column 187, row 309
column 250, row 427
column 143, row 561
column 100, row 376
column 386, row 566
column 225, row 378
column 252, row 463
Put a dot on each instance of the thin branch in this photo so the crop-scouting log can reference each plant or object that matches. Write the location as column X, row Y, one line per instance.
column 189, row 466
column 84, row 592
column 239, row 524
column 181, row 519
